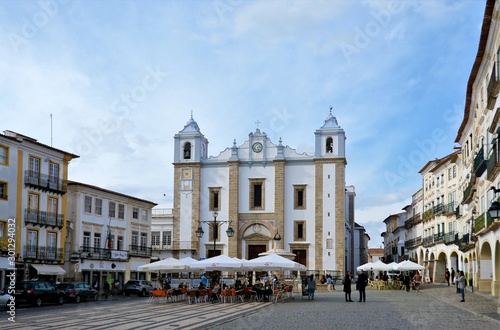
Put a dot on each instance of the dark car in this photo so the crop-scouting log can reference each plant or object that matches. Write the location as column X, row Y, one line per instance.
column 78, row 291
column 138, row 287
column 37, row 293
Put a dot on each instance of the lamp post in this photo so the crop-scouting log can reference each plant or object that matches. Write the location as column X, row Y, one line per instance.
column 215, row 224
column 494, row 209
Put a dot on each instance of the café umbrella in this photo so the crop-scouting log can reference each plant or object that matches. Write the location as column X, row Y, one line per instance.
column 273, row 262
column 168, row 264
column 220, row 263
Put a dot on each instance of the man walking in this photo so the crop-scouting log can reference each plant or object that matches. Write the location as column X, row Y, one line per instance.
column 417, row 279
column 447, row 276
column 362, row 283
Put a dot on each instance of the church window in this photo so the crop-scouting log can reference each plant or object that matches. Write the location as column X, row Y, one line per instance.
column 214, row 198
column 299, row 197
column 299, row 231
column 257, row 193
column 187, row 151
column 329, row 145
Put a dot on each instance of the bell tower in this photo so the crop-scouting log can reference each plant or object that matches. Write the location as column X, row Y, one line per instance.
column 330, row 163
column 190, row 149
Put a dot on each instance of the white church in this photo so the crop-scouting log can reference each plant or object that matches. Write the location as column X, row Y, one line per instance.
column 261, row 195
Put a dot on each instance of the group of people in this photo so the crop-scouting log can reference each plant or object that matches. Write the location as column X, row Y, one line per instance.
column 107, row 289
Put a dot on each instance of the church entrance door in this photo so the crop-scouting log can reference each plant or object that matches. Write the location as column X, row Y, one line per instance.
column 254, row 250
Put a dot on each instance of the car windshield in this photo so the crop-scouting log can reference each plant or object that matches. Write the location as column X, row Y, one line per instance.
column 22, row 285
column 65, row 286
column 133, row 283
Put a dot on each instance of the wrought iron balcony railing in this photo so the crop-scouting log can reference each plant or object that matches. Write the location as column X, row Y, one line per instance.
column 43, row 218
column 45, row 182
column 140, row 251
column 44, row 253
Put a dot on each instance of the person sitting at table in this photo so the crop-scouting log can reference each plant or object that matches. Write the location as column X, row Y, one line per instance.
column 323, row 279
column 215, row 292
column 201, row 286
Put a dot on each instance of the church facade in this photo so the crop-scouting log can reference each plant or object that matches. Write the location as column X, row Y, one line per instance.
column 261, row 195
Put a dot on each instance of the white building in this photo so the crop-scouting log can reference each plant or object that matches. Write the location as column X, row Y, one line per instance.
column 109, row 234
column 261, row 189
column 162, row 227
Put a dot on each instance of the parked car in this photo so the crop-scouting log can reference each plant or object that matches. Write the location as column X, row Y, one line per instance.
column 37, row 293
column 4, row 298
column 78, row 291
column 138, row 287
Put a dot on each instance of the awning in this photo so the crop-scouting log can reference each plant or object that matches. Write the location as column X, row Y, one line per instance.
column 48, row 269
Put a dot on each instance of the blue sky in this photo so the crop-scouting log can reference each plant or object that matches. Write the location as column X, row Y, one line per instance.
column 121, row 78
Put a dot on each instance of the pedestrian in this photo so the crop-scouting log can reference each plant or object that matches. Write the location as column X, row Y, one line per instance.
column 417, row 279
column 361, row 284
column 347, row 286
column 204, row 280
column 311, row 287
column 106, row 290
column 455, row 280
column 447, row 276
column 461, row 285
column 96, row 285
column 406, row 282
column 329, row 283
column 116, row 288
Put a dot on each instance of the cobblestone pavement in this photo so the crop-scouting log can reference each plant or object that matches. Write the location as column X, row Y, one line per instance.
column 436, row 306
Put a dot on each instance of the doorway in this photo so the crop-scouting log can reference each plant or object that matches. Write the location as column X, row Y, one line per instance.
column 254, row 250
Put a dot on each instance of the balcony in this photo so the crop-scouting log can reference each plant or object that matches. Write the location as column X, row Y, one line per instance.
column 451, row 238
column 479, row 163
column 427, row 215
column 413, row 242
column 44, row 182
column 140, row 251
column 428, row 241
column 465, row 244
column 417, row 219
column 493, row 87
column 439, row 238
column 42, row 253
column 409, row 223
column 186, row 245
column 43, row 218
column 93, row 253
column 469, row 192
column 485, row 223
column 493, row 163
column 164, row 247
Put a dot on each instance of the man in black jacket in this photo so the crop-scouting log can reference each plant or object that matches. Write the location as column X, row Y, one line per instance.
column 362, row 283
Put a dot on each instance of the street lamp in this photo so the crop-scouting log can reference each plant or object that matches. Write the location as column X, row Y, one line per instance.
column 215, row 224
column 494, row 209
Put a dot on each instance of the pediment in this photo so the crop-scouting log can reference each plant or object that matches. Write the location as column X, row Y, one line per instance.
column 257, row 237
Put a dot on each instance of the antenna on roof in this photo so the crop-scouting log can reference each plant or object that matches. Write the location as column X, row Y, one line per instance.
column 51, row 130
